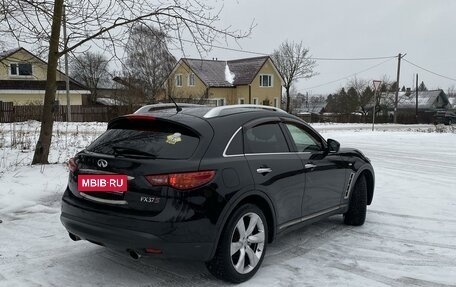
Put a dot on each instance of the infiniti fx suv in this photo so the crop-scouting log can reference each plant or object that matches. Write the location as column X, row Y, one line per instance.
column 212, row 184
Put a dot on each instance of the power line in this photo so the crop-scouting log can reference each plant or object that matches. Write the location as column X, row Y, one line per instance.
column 311, row 58
column 429, row 71
column 351, row 75
column 353, row 59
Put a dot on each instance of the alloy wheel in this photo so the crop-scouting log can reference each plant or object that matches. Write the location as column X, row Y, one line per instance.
column 247, row 243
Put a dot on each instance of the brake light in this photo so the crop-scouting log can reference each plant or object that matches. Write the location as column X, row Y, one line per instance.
column 153, row 250
column 182, row 181
column 72, row 165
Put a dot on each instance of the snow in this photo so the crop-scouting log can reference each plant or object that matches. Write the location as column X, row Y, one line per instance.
column 109, row 102
column 229, row 76
column 408, row 238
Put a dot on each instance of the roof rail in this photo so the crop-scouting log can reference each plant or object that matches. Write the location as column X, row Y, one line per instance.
column 162, row 106
column 214, row 112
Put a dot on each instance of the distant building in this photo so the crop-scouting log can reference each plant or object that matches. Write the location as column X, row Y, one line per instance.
column 428, row 101
column 23, row 80
column 243, row 81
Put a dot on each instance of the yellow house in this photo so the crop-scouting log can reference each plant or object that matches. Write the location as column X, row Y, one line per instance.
column 23, row 79
column 243, row 81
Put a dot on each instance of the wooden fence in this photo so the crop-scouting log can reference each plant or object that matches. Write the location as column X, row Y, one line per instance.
column 6, row 112
column 403, row 117
column 11, row 113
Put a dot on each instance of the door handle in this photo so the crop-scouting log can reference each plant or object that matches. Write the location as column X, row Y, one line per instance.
column 309, row 165
column 264, row 170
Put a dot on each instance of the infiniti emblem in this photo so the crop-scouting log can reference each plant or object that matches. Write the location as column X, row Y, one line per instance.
column 102, row 163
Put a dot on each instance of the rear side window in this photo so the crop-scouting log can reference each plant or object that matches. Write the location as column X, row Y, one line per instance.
column 235, row 147
column 265, row 138
column 150, row 139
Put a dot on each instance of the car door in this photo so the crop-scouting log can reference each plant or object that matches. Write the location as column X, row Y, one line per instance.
column 275, row 170
column 324, row 171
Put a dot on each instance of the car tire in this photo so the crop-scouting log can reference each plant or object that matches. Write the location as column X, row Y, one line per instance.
column 357, row 208
column 238, row 255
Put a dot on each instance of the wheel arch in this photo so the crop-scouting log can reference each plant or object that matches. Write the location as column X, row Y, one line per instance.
column 253, row 197
column 368, row 172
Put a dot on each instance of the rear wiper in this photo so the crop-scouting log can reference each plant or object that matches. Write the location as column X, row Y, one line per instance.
column 125, row 151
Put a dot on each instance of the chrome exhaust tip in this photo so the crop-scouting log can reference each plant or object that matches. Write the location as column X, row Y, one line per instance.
column 74, row 237
column 133, row 254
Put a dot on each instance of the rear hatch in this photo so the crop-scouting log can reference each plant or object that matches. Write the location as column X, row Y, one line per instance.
column 136, row 147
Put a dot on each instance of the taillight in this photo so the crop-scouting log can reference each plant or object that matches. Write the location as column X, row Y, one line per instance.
column 182, row 181
column 72, row 165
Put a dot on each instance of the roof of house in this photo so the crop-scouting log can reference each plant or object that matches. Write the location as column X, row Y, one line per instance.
column 426, row 99
column 212, row 72
column 7, row 53
column 17, row 85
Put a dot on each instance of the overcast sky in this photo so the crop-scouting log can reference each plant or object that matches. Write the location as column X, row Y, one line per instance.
column 423, row 29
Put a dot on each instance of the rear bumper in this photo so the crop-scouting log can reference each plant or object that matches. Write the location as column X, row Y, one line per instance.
column 174, row 239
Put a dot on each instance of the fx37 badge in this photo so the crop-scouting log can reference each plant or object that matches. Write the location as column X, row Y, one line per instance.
column 148, row 199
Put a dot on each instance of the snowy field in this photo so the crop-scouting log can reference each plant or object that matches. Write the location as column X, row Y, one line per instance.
column 409, row 238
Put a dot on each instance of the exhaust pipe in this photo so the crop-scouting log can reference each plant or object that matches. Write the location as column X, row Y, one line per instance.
column 74, row 237
column 133, row 254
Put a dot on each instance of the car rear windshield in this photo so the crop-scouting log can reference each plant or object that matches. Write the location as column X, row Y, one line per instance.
column 146, row 139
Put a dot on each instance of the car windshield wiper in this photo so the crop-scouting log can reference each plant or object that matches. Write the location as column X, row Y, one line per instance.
column 126, row 151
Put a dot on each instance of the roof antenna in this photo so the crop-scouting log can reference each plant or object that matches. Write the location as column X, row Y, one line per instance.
column 178, row 109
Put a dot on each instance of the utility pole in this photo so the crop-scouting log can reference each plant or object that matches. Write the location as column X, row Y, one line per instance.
column 416, row 93
column 376, row 87
column 307, row 101
column 399, row 57
column 67, row 78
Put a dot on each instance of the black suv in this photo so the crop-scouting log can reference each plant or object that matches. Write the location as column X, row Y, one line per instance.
column 211, row 184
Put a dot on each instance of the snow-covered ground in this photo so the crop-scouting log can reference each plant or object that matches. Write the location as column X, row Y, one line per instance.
column 409, row 238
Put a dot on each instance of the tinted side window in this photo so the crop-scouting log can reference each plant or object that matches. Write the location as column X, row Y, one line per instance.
column 159, row 139
column 236, row 145
column 303, row 140
column 266, row 138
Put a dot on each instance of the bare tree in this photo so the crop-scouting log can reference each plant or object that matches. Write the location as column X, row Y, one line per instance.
column 358, row 84
column 316, row 103
column 363, row 91
column 128, row 89
column 148, row 59
column 451, row 91
column 293, row 62
column 91, row 69
column 39, row 23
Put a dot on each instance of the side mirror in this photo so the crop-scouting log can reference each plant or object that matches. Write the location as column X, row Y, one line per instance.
column 333, row 145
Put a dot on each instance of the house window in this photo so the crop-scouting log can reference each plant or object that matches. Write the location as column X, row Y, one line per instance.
column 265, row 80
column 191, row 79
column 20, row 69
column 178, row 80
column 220, row 102
column 241, row 101
column 255, row 101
